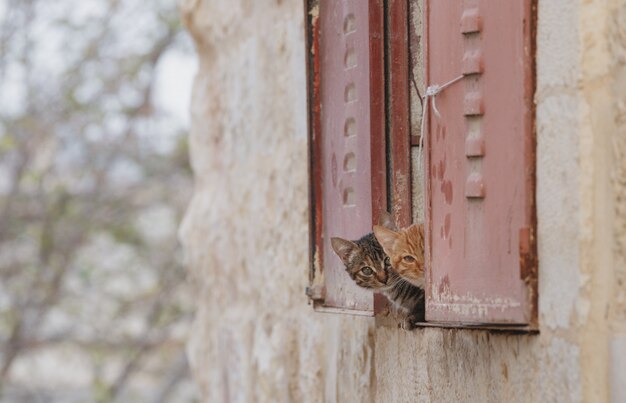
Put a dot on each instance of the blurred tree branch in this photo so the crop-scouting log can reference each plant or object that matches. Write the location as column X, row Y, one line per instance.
column 81, row 167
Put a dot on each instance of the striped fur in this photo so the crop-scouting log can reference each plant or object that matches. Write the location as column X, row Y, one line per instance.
column 406, row 297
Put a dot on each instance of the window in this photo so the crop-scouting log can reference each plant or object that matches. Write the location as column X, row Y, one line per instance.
column 478, row 151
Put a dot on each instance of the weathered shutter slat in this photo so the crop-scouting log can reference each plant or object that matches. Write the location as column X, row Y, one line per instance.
column 480, row 163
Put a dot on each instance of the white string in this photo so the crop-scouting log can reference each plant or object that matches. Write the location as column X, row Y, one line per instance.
column 431, row 93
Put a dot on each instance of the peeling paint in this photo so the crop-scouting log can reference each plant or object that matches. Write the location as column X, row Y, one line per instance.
column 315, row 12
column 400, row 192
column 444, row 299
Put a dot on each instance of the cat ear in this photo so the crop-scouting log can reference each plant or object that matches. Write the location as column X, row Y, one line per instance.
column 421, row 230
column 386, row 220
column 343, row 248
column 385, row 237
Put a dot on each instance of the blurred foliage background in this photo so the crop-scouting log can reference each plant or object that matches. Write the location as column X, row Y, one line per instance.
column 94, row 179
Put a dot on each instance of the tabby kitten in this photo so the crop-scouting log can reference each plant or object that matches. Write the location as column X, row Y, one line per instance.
column 369, row 266
column 405, row 249
column 365, row 261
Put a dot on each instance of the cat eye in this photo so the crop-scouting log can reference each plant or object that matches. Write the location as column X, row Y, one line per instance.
column 367, row 271
column 408, row 259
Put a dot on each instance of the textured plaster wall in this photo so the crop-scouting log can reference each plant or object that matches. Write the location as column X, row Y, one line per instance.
column 617, row 141
column 245, row 233
column 617, row 48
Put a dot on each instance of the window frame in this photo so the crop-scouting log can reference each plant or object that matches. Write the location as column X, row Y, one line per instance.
column 391, row 191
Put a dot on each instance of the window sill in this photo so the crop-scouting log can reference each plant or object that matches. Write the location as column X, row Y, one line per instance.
column 391, row 321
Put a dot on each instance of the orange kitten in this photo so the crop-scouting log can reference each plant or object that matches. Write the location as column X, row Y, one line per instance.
column 405, row 249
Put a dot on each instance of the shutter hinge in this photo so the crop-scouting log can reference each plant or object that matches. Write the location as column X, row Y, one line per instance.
column 316, row 292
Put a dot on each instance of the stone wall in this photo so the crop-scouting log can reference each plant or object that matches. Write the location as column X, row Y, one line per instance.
column 617, row 175
column 245, row 233
column 617, row 140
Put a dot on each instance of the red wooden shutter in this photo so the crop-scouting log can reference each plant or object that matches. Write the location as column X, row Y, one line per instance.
column 480, row 163
column 347, row 133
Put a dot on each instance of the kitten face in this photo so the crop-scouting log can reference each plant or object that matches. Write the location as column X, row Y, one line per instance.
column 368, row 265
column 365, row 261
column 405, row 249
